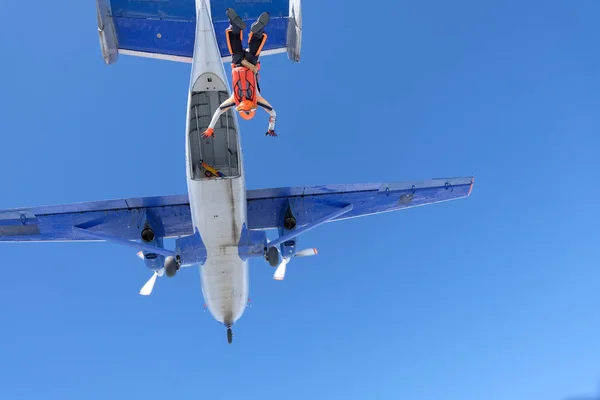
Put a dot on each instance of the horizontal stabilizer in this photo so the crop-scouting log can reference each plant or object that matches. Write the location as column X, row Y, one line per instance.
column 166, row 29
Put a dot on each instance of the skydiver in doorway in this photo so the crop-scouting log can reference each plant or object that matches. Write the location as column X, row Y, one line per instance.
column 244, row 70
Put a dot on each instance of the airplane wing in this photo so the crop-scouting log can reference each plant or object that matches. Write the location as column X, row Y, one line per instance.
column 311, row 203
column 123, row 218
column 117, row 218
column 166, row 29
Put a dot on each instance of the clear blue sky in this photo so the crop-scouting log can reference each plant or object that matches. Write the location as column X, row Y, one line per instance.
column 492, row 297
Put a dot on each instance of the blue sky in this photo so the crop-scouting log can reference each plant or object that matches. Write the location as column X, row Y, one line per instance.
column 493, row 297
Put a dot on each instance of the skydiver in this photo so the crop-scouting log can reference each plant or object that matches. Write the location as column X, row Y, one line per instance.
column 244, row 70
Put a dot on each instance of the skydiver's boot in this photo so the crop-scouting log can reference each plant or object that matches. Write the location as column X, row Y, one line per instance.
column 237, row 23
column 258, row 26
column 257, row 37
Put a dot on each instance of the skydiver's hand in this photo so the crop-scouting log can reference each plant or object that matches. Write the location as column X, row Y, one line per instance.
column 208, row 133
column 271, row 132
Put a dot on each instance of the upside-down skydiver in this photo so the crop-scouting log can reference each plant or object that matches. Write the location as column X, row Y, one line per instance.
column 244, row 70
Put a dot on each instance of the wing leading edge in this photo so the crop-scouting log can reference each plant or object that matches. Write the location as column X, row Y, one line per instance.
column 124, row 218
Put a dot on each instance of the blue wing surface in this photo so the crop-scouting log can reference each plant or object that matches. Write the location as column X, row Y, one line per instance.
column 123, row 218
column 119, row 218
column 166, row 29
column 311, row 203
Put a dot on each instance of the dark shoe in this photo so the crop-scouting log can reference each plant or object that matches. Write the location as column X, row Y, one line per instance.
column 235, row 19
column 262, row 21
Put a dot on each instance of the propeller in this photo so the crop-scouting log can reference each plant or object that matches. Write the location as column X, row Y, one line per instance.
column 280, row 271
column 147, row 288
column 306, row 253
column 281, row 268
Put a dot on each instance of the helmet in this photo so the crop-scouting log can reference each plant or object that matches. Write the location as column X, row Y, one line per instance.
column 247, row 109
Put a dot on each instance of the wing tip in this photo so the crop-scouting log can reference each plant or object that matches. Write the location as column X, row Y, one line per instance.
column 471, row 187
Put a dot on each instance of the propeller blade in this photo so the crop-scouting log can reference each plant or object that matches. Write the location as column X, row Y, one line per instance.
column 280, row 271
column 306, row 253
column 140, row 254
column 147, row 289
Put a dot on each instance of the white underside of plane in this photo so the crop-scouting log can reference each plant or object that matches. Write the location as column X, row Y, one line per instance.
column 218, row 206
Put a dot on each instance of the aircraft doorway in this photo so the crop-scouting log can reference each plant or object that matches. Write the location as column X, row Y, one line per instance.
column 216, row 157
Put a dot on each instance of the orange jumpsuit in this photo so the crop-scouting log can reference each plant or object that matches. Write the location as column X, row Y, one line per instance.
column 245, row 88
column 244, row 83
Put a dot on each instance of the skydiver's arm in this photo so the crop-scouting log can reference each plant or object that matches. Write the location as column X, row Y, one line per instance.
column 272, row 115
column 226, row 105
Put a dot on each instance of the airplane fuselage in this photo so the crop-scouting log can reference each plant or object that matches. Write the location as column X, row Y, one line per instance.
column 220, row 225
column 218, row 205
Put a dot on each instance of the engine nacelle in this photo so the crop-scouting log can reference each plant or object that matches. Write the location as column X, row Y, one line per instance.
column 289, row 220
column 148, row 234
column 151, row 232
column 154, row 261
column 288, row 248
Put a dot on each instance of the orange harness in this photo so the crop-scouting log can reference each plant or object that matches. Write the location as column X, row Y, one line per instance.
column 244, row 85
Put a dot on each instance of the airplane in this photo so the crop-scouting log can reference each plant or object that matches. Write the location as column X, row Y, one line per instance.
column 219, row 225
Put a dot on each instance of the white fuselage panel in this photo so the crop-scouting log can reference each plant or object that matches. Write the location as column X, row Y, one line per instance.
column 218, row 206
column 218, row 213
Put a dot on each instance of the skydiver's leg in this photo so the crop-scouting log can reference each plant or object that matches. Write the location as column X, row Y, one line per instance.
column 234, row 42
column 234, row 36
column 258, row 37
